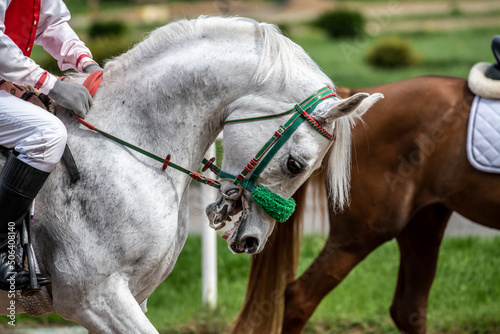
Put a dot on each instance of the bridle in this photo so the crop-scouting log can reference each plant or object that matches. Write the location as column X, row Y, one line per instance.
column 301, row 112
column 274, row 205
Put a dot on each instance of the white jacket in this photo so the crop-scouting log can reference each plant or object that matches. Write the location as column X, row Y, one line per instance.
column 47, row 27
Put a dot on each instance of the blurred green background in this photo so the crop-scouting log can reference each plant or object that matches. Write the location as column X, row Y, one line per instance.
column 358, row 44
column 441, row 37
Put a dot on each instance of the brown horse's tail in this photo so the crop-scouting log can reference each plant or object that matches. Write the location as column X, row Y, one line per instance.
column 264, row 304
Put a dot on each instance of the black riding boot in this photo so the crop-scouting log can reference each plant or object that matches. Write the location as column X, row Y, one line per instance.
column 19, row 185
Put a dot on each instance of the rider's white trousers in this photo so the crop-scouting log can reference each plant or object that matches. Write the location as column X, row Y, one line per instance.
column 36, row 134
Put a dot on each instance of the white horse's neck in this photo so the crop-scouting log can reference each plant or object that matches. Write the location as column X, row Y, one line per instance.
column 177, row 103
column 172, row 92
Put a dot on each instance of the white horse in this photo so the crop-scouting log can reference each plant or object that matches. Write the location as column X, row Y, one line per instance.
column 109, row 240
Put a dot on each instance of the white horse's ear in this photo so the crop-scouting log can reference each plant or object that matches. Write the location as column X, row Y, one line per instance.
column 328, row 112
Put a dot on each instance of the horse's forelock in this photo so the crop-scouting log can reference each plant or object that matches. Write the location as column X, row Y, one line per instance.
column 339, row 163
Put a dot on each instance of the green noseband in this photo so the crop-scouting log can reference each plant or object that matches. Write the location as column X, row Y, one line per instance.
column 274, row 205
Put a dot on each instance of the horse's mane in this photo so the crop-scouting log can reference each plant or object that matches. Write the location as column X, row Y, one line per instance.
column 278, row 53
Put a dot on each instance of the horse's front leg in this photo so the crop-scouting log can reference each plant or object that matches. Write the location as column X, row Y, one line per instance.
column 419, row 246
column 353, row 235
column 108, row 308
column 350, row 241
column 303, row 296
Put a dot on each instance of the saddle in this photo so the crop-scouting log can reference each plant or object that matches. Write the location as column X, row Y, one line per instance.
column 22, row 228
column 483, row 134
column 27, row 94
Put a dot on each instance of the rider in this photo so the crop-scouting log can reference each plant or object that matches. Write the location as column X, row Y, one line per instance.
column 36, row 137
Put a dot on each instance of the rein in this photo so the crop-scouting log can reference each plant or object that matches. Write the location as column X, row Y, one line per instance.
column 166, row 161
column 275, row 206
column 92, row 83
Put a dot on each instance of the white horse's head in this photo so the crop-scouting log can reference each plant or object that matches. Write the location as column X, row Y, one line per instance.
column 270, row 153
column 245, row 74
column 266, row 159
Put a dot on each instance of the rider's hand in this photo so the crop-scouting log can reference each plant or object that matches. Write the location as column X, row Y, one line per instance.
column 72, row 96
column 92, row 67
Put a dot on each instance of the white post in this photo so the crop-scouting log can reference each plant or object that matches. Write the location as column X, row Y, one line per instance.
column 209, row 248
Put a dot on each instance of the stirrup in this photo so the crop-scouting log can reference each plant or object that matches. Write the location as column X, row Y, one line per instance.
column 31, row 282
column 29, row 257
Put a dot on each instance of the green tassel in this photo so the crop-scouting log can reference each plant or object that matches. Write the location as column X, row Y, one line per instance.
column 274, row 205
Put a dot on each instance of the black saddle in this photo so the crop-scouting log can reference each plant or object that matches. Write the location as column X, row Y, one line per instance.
column 493, row 72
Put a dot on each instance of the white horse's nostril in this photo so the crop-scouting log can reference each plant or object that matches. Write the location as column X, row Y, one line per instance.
column 251, row 245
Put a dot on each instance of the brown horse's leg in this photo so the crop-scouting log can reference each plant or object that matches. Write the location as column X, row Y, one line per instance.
column 419, row 246
column 343, row 250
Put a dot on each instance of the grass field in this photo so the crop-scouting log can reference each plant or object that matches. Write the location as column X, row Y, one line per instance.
column 443, row 53
column 465, row 297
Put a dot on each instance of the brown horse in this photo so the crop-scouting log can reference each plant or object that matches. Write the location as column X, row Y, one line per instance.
column 409, row 173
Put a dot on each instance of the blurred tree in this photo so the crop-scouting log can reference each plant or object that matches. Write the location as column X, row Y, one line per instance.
column 393, row 52
column 341, row 23
column 93, row 5
column 94, row 8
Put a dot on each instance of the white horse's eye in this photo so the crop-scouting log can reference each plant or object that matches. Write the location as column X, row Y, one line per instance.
column 293, row 166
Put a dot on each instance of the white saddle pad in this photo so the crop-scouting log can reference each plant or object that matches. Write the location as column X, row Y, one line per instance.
column 483, row 142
